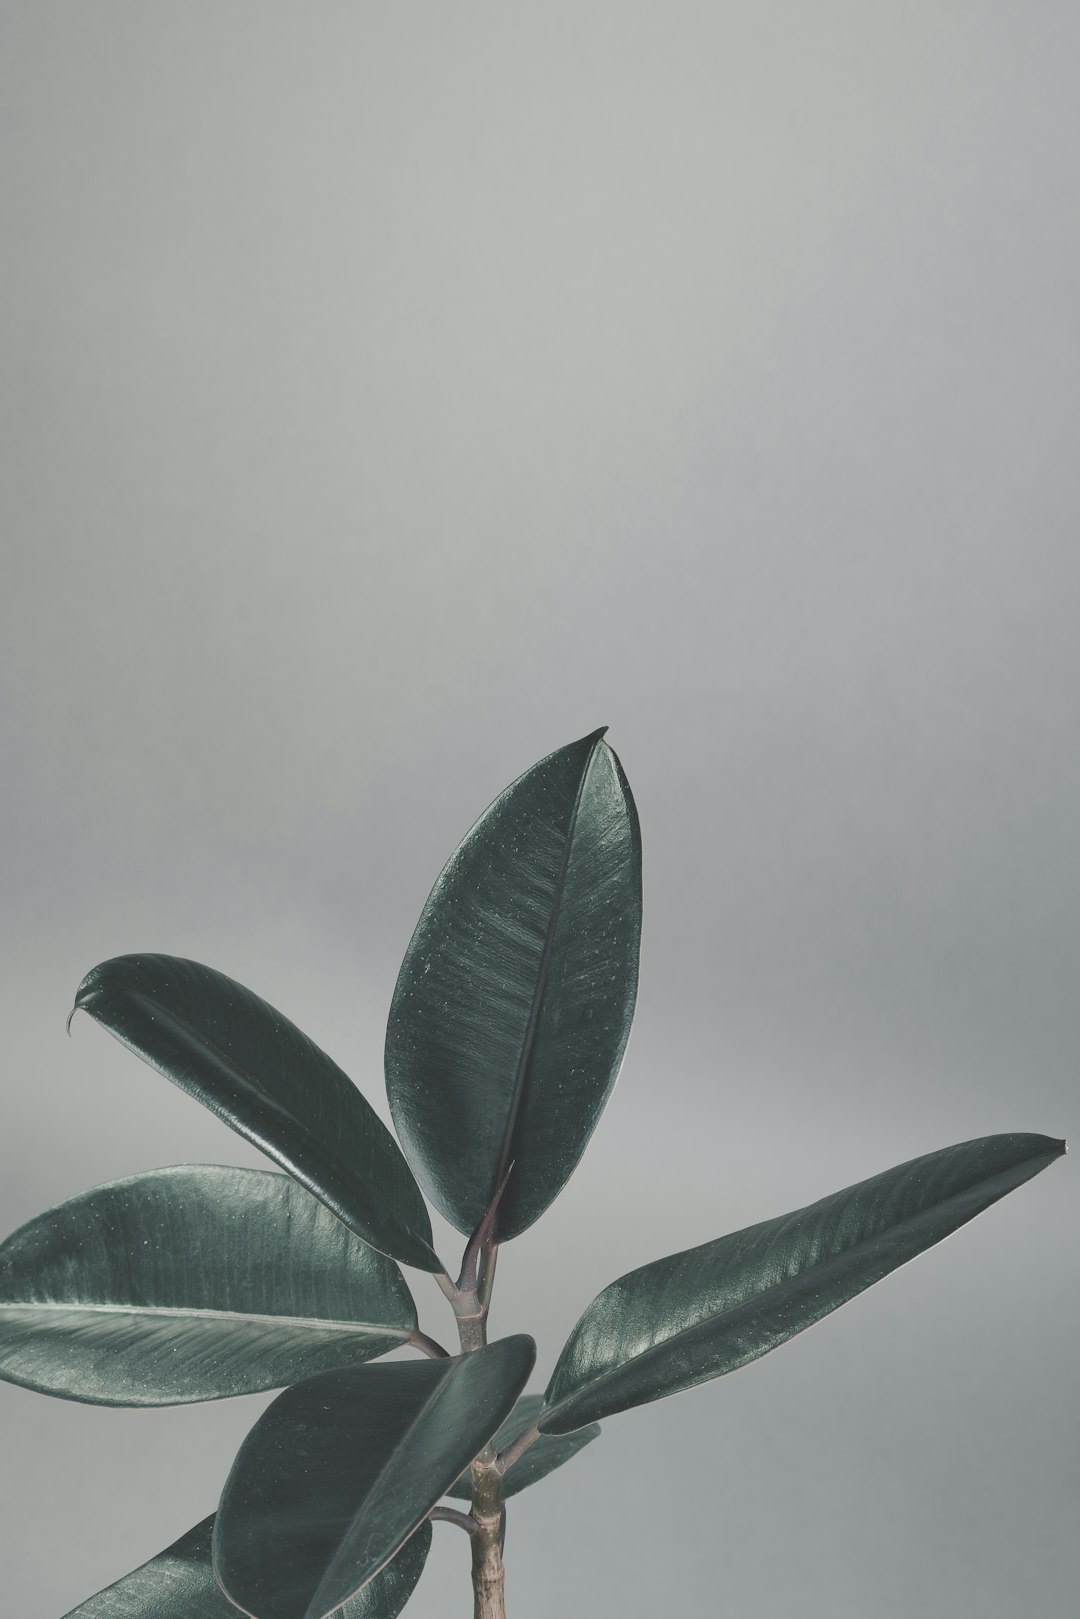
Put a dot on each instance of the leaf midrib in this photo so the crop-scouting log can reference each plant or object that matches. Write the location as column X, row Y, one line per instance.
column 179, row 1312
column 529, row 1039
column 201, row 1040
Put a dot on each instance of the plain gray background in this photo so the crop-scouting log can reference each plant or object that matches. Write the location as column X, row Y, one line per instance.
column 392, row 394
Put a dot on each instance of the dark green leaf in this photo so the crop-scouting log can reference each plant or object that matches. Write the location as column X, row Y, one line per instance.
column 191, row 1283
column 543, row 1456
column 269, row 1082
column 699, row 1314
column 179, row 1584
column 514, row 1001
column 341, row 1469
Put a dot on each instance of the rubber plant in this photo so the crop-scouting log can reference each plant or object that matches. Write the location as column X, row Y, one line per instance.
column 507, row 1027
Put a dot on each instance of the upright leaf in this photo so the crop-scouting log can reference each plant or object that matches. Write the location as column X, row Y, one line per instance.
column 340, row 1470
column 514, row 1001
column 192, row 1283
column 179, row 1584
column 253, row 1068
column 543, row 1456
column 699, row 1314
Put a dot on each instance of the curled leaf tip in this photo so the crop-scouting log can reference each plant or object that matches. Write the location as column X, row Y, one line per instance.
column 70, row 1015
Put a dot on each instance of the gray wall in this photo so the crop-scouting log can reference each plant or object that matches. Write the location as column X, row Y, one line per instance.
column 393, row 393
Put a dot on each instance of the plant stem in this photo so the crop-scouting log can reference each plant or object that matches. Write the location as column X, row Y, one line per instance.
column 463, row 1520
column 428, row 1346
column 521, row 1444
column 446, row 1286
column 471, row 1300
column 488, row 1572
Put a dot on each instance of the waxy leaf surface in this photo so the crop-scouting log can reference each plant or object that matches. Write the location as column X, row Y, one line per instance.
column 514, row 1001
column 192, row 1283
column 179, row 1584
column 253, row 1068
column 341, row 1470
column 699, row 1314
column 543, row 1456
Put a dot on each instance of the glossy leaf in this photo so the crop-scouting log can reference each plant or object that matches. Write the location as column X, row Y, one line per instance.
column 191, row 1283
column 179, row 1584
column 514, row 1001
column 543, row 1456
column 341, row 1469
column 253, row 1068
column 699, row 1314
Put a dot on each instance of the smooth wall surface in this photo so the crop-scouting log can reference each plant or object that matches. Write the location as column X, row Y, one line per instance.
column 393, row 393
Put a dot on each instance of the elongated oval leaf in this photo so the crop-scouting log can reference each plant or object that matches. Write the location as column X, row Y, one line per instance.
column 341, row 1469
column 699, row 1314
column 253, row 1068
column 514, row 1001
column 191, row 1283
column 543, row 1456
column 179, row 1584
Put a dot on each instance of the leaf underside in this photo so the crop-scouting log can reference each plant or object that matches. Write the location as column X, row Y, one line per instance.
column 341, row 1469
column 270, row 1083
column 514, row 1001
column 699, row 1314
column 543, row 1456
column 179, row 1584
column 192, row 1283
